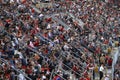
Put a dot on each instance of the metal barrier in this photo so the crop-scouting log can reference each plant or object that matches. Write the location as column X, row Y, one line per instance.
column 6, row 62
column 115, row 58
column 79, row 20
column 60, row 22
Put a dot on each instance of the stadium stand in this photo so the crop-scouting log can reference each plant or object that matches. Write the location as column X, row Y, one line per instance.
column 58, row 39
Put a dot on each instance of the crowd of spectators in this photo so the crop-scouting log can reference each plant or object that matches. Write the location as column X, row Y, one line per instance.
column 36, row 46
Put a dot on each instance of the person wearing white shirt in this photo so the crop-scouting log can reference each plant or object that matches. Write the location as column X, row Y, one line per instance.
column 11, row 1
column 66, row 47
column 101, row 71
column 43, row 77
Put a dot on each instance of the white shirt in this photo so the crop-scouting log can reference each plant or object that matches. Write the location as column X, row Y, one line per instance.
column 16, row 41
column 11, row 1
column 18, row 1
column 31, row 44
column 43, row 77
column 41, row 15
column 66, row 47
column 20, row 55
column 48, row 26
column 13, row 44
column 16, row 51
column 56, row 40
column 51, row 44
column 101, row 68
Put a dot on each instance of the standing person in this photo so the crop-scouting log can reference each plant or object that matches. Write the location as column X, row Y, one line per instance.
column 102, row 59
column 101, row 71
column 95, row 71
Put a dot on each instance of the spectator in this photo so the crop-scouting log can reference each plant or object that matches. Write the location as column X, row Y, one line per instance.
column 101, row 71
column 75, row 32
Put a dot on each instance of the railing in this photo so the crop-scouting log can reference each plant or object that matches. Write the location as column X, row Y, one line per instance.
column 55, row 72
column 60, row 22
column 4, row 61
column 77, row 49
column 82, row 44
column 51, row 75
column 79, row 20
column 115, row 58
column 57, row 59
column 51, row 41
column 33, row 49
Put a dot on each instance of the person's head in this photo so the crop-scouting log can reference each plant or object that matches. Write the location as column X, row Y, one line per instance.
column 102, row 65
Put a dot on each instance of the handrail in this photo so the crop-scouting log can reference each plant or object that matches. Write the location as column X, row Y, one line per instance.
column 20, row 42
column 62, row 55
column 8, row 64
column 115, row 58
column 72, row 70
column 49, row 39
column 74, row 59
column 60, row 22
column 71, row 15
column 56, row 73
column 53, row 16
column 44, row 38
column 79, row 20
column 33, row 50
column 38, row 52
column 28, row 48
column 60, row 76
column 25, row 46
column 64, row 23
column 51, row 75
column 4, row 61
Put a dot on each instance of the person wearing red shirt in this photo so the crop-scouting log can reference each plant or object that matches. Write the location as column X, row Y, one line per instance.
column 32, row 10
column 110, row 62
column 46, row 51
column 85, row 73
column 75, row 68
column 45, row 34
column 56, row 77
column 36, row 43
